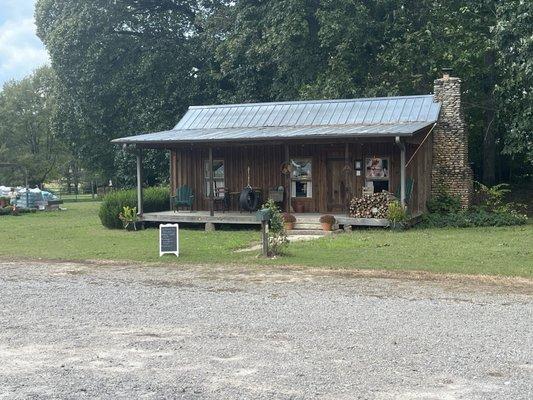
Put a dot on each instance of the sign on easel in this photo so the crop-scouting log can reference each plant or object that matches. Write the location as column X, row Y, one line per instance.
column 169, row 239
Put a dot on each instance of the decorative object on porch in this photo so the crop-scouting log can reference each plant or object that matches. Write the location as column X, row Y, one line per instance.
column 371, row 206
column 129, row 218
column 327, row 221
column 184, row 197
column 221, row 199
column 396, row 215
column 249, row 199
column 288, row 221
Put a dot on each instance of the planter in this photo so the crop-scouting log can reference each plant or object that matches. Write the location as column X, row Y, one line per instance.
column 289, row 226
column 298, row 207
column 326, row 227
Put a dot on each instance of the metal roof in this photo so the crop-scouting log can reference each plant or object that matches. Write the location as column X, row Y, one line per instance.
column 375, row 117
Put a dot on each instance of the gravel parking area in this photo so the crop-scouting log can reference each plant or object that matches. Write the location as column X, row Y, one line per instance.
column 82, row 331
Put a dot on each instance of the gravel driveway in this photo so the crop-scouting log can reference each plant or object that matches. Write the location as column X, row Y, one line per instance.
column 77, row 331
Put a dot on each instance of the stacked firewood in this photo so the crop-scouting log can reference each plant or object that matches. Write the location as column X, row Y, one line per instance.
column 371, row 206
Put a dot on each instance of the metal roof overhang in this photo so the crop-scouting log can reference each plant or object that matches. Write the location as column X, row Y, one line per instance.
column 279, row 133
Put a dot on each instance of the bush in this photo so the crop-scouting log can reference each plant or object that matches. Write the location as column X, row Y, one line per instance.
column 472, row 218
column 289, row 218
column 396, row 212
column 155, row 199
column 444, row 203
column 277, row 237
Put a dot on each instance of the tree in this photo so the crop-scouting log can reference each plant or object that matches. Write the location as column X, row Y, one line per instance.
column 27, row 139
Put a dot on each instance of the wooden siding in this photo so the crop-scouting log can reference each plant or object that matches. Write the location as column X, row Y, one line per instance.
column 265, row 162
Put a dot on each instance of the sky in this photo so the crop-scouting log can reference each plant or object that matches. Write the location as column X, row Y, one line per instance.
column 21, row 51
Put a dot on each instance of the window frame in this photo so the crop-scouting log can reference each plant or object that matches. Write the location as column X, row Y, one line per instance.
column 308, row 179
column 222, row 179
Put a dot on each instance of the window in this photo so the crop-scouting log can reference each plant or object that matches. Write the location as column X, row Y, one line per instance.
column 301, row 182
column 377, row 173
column 218, row 175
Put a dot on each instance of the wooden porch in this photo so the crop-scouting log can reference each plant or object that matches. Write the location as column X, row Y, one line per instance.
column 244, row 218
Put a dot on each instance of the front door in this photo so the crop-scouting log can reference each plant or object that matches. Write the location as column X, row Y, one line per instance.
column 336, row 185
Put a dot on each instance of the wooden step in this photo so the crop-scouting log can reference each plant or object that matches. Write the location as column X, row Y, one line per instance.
column 307, row 225
column 312, row 232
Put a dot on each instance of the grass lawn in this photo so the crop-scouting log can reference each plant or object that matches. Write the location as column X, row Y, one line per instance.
column 76, row 234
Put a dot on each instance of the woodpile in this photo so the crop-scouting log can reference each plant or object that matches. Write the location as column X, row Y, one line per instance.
column 371, row 206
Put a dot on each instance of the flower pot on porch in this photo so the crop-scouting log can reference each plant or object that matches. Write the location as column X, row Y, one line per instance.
column 326, row 227
column 289, row 226
column 299, row 208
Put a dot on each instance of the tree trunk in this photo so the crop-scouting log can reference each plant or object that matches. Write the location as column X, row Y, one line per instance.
column 489, row 137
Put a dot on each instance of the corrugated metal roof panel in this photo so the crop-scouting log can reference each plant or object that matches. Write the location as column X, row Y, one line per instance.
column 272, row 133
column 318, row 118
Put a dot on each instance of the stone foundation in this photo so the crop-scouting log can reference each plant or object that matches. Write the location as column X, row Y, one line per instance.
column 451, row 170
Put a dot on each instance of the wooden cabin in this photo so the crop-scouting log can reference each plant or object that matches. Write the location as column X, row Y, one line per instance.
column 313, row 156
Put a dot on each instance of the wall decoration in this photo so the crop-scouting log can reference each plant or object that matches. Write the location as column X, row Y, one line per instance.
column 377, row 168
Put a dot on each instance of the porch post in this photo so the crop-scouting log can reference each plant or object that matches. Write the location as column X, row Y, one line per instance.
column 139, row 182
column 288, row 163
column 347, row 177
column 401, row 145
column 211, row 188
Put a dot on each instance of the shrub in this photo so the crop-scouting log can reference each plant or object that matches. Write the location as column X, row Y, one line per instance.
column 277, row 237
column 155, row 199
column 473, row 218
column 396, row 213
column 444, row 203
column 327, row 219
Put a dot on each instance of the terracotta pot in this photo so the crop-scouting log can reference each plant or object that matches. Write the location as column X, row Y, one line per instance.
column 326, row 227
column 298, row 208
column 289, row 226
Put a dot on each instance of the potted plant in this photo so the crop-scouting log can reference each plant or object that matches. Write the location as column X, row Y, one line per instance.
column 129, row 218
column 327, row 222
column 288, row 221
column 396, row 215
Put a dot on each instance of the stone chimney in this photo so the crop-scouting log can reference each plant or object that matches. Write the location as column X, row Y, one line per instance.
column 451, row 170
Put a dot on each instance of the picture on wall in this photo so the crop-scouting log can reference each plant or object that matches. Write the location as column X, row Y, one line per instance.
column 377, row 168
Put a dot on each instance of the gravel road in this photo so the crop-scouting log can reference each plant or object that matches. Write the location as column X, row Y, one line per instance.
column 87, row 331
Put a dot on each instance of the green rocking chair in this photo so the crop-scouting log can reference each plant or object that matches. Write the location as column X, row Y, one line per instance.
column 409, row 184
column 183, row 198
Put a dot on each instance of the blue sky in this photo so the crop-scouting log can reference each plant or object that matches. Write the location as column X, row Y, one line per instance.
column 21, row 51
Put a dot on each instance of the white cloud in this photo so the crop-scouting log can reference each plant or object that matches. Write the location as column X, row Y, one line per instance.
column 21, row 51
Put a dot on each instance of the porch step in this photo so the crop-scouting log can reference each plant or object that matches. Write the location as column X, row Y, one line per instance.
column 313, row 232
column 307, row 225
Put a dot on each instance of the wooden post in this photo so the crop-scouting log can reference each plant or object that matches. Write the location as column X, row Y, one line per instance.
column 348, row 180
column 264, row 238
column 289, row 182
column 401, row 145
column 211, row 186
column 139, row 182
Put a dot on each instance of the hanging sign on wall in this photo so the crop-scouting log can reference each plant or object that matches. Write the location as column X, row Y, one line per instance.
column 169, row 239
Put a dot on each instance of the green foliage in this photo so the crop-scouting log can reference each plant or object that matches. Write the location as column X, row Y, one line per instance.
column 110, row 58
column 489, row 210
column 472, row 218
column 396, row 213
column 491, row 198
column 444, row 203
column 26, row 135
column 128, row 216
column 277, row 237
column 155, row 199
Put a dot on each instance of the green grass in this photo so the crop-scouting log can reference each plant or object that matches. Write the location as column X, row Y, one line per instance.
column 76, row 234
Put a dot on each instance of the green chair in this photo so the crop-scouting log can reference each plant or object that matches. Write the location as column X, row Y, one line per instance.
column 183, row 198
column 409, row 184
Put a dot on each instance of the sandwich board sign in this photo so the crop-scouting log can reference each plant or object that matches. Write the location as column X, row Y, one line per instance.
column 169, row 239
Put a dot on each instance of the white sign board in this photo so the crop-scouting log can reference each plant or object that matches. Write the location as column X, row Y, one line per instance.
column 169, row 239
